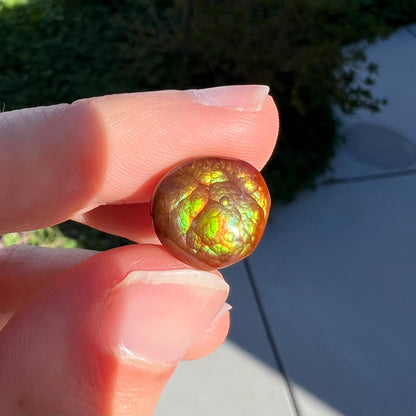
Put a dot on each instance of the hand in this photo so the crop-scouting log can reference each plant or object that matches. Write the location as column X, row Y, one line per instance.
column 86, row 333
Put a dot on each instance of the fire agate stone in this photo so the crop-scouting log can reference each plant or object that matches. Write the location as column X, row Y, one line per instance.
column 211, row 212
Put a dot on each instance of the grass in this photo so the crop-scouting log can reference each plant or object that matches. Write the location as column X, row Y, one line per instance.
column 67, row 235
column 47, row 237
column 12, row 3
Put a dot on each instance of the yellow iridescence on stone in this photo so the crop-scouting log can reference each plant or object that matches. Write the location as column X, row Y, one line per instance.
column 211, row 212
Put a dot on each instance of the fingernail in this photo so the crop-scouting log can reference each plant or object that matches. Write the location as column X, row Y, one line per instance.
column 157, row 315
column 236, row 97
column 224, row 309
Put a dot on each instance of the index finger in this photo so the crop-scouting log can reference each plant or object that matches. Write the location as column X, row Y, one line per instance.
column 61, row 160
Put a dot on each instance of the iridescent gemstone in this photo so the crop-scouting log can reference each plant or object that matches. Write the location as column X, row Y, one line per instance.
column 211, row 212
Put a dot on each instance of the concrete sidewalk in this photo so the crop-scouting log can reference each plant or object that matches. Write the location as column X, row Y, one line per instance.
column 324, row 318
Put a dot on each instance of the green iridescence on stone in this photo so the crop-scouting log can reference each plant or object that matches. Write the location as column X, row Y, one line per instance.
column 211, row 212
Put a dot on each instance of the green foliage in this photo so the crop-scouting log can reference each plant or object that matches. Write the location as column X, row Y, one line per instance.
column 89, row 238
column 66, row 235
column 311, row 53
column 56, row 53
column 48, row 237
column 308, row 52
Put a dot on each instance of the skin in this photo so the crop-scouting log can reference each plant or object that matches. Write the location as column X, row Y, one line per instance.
column 111, row 153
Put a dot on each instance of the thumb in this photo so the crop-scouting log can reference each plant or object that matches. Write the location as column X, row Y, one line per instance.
column 107, row 335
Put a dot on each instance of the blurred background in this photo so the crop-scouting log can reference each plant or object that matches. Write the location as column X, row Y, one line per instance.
column 317, row 342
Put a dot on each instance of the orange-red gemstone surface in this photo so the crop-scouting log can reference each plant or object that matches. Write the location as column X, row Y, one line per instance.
column 211, row 212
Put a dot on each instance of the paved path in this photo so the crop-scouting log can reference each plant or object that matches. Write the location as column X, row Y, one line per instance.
column 324, row 311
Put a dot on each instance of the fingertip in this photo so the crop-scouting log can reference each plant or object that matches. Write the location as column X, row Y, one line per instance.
column 210, row 339
column 55, row 359
column 158, row 129
column 60, row 161
column 131, row 221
